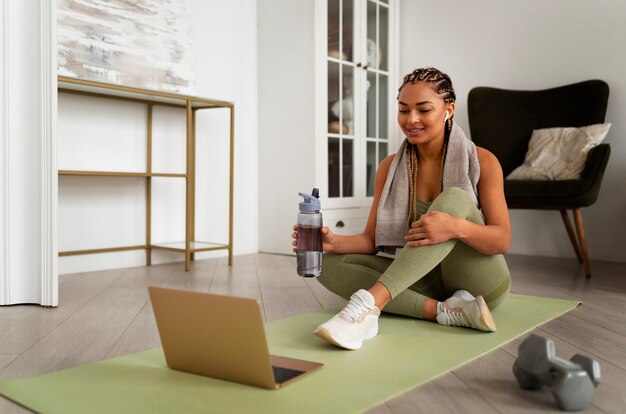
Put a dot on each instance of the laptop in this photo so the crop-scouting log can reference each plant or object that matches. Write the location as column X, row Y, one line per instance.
column 220, row 337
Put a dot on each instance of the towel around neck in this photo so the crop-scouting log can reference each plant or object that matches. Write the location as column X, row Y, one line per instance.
column 461, row 169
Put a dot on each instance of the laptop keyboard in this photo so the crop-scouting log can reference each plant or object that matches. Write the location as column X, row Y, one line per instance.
column 284, row 374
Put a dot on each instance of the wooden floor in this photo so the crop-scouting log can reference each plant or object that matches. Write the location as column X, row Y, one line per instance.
column 106, row 314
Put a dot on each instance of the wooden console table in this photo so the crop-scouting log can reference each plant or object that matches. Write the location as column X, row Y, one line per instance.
column 151, row 98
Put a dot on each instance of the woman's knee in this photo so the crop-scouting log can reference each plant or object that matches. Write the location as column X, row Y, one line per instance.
column 456, row 195
column 457, row 202
column 455, row 192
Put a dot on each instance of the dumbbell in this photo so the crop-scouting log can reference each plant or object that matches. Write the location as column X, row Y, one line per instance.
column 572, row 382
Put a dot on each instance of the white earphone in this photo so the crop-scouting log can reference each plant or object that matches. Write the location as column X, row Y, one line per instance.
column 447, row 115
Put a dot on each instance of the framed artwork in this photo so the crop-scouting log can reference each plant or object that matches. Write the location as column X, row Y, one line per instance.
column 144, row 43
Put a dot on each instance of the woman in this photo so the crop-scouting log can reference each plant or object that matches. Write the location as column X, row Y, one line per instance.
column 449, row 266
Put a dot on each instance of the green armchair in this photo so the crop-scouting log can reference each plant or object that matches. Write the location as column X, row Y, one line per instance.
column 502, row 121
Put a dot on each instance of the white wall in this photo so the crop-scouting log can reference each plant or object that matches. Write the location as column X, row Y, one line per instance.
column 109, row 135
column 225, row 51
column 286, row 44
column 533, row 44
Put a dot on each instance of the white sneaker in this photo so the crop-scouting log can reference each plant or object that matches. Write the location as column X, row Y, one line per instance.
column 463, row 310
column 357, row 322
column 464, row 294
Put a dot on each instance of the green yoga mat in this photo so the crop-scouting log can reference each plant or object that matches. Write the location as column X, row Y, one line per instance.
column 405, row 354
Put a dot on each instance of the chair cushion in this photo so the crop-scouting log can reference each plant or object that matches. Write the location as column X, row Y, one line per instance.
column 549, row 194
column 559, row 153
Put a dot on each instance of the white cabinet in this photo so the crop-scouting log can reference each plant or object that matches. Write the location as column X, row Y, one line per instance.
column 327, row 89
column 346, row 220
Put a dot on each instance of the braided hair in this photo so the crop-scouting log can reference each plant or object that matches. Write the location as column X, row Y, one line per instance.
column 443, row 86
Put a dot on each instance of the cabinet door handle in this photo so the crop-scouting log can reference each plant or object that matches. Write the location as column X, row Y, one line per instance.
column 339, row 224
column 365, row 67
column 358, row 65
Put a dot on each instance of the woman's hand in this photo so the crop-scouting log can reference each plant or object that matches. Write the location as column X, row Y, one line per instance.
column 432, row 228
column 328, row 238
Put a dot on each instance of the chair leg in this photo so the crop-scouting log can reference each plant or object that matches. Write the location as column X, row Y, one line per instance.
column 570, row 233
column 580, row 229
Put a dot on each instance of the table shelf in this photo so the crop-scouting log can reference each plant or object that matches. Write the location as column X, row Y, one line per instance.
column 151, row 98
column 118, row 174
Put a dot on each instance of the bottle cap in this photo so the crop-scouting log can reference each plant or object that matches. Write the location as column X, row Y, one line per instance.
column 311, row 201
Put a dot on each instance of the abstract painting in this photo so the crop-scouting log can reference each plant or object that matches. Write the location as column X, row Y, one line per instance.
column 143, row 43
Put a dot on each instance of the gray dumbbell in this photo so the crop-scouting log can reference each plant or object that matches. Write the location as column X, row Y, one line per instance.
column 572, row 382
column 590, row 365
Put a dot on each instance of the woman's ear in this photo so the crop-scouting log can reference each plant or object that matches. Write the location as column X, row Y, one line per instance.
column 450, row 109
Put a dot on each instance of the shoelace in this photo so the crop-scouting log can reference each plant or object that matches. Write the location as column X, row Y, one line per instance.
column 455, row 317
column 355, row 308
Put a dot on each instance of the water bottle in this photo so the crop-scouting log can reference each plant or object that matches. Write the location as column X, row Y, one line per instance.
column 309, row 242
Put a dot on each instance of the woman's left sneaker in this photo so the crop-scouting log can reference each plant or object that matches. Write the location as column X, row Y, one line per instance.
column 457, row 311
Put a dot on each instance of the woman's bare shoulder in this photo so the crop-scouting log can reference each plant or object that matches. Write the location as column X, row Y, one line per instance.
column 385, row 163
column 381, row 174
column 486, row 159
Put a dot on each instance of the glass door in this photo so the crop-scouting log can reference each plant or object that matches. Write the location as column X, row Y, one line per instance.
column 376, row 65
column 358, row 70
column 341, row 102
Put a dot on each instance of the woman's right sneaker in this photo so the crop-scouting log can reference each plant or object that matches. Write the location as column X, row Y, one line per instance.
column 463, row 309
column 357, row 322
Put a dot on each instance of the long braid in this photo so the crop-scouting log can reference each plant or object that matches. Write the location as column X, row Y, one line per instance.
column 443, row 86
column 412, row 170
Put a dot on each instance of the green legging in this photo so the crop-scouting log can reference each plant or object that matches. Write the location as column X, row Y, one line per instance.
column 417, row 273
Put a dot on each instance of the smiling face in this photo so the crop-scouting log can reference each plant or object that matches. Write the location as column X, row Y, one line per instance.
column 422, row 113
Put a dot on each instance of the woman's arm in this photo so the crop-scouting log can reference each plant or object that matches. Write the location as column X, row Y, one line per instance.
column 359, row 243
column 492, row 238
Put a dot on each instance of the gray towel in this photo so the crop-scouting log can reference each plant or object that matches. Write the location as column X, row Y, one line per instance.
column 461, row 170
